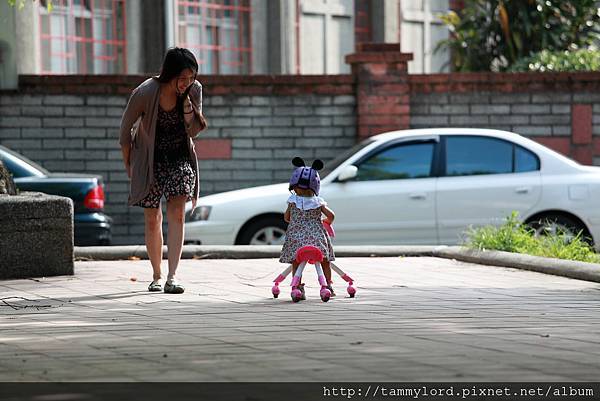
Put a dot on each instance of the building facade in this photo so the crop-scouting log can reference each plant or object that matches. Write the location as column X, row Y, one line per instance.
column 227, row 36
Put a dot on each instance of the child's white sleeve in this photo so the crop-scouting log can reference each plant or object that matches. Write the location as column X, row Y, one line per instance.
column 322, row 202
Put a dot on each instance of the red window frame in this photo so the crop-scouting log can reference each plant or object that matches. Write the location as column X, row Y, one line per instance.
column 217, row 51
column 78, row 46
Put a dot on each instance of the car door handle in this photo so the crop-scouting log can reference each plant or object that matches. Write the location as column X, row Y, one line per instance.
column 417, row 196
column 522, row 190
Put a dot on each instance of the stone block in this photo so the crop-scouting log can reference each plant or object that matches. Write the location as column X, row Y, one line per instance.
column 36, row 236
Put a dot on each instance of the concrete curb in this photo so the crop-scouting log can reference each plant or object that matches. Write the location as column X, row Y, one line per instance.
column 242, row 251
column 557, row 267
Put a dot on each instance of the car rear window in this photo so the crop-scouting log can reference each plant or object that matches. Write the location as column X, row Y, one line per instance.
column 525, row 160
column 20, row 167
column 477, row 155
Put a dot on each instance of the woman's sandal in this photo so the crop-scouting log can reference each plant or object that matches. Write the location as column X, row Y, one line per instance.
column 174, row 288
column 155, row 286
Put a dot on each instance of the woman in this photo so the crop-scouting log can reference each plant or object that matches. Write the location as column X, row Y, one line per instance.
column 165, row 113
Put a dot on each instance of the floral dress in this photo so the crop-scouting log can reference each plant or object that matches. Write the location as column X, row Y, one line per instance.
column 173, row 171
column 306, row 228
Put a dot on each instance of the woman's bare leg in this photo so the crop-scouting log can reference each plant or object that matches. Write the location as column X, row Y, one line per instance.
column 176, row 220
column 154, row 238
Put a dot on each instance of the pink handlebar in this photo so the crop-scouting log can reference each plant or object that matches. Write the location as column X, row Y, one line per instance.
column 329, row 229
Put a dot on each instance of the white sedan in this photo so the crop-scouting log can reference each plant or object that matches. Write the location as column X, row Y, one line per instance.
column 423, row 187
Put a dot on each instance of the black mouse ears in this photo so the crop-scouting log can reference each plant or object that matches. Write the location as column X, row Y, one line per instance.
column 299, row 162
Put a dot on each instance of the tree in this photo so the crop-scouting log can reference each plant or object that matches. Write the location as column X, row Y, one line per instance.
column 491, row 35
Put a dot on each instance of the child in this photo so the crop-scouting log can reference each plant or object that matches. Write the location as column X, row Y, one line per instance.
column 304, row 212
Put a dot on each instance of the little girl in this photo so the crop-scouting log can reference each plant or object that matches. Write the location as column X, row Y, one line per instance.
column 304, row 213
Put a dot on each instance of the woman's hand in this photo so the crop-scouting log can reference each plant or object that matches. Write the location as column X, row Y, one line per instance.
column 187, row 105
column 188, row 110
column 189, row 114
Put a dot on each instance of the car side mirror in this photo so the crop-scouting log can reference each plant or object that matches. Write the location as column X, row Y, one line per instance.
column 348, row 173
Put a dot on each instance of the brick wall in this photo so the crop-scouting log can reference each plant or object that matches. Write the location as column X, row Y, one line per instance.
column 561, row 111
column 257, row 124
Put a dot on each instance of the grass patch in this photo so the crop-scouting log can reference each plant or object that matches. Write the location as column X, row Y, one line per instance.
column 514, row 236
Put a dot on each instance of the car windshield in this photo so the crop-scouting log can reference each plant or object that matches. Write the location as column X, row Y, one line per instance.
column 21, row 166
column 335, row 163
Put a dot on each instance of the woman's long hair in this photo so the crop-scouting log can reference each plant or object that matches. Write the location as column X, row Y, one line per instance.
column 176, row 60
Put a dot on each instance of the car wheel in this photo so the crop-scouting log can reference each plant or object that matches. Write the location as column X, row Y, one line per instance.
column 268, row 231
column 553, row 224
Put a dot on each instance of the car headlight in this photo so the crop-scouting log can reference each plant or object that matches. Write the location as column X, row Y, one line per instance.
column 200, row 213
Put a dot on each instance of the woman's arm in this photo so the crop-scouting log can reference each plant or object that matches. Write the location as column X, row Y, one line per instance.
column 192, row 111
column 286, row 215
column 133, row 110
column 328, row 213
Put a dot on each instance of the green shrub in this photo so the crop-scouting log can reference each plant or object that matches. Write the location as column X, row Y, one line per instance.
column 491, row 35
column 514, row 236
column 548, row 61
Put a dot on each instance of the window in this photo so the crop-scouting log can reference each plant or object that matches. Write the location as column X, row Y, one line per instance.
column 20, row 167
column 421, row 30
column 218, row 33
column 525, row 160
column 83, row 37
column 335, row 163
column 325, row 35
column 475, row 155
column 398, row 162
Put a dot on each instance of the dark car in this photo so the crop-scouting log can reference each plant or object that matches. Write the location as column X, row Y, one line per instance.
column 92, row 226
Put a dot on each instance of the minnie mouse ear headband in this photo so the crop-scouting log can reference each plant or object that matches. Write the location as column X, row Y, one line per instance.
column 306, row 177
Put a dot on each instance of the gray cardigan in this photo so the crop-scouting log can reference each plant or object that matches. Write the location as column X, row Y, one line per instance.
column 144, row 101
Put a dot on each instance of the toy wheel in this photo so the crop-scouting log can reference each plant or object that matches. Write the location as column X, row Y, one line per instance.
column 296, row 295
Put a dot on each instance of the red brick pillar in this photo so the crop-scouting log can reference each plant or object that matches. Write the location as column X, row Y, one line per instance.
column 382, row 88
column 581, row 133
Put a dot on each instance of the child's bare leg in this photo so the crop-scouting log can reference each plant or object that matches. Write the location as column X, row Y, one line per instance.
column 326, row 270
column 300, row 285
column 294, row 267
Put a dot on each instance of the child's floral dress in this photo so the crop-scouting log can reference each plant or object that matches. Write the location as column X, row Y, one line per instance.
column 306, row 228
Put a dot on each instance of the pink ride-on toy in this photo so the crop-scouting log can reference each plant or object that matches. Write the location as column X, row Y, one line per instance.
column 312, row 255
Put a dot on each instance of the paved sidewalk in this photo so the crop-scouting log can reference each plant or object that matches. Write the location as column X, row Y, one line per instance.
column 413, row 319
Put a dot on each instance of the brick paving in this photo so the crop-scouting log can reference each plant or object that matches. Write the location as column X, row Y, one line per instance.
column 413, row 319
